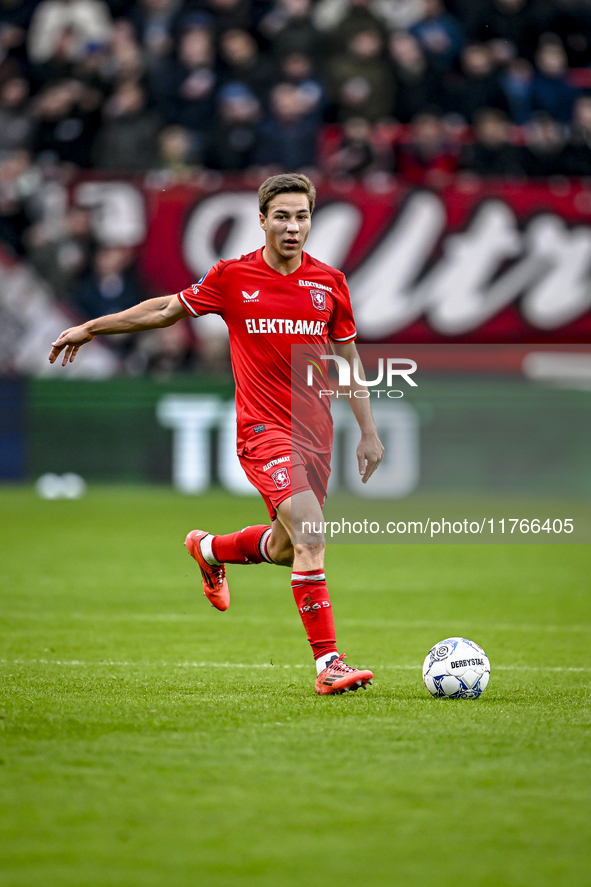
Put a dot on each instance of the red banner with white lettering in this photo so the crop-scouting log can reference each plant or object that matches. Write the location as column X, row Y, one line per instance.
column 475, row 262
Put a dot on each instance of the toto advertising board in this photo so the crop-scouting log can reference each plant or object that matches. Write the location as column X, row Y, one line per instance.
column 488, row 262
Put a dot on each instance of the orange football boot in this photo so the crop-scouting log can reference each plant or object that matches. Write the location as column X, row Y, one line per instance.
column 215, row 586
column 338, row 678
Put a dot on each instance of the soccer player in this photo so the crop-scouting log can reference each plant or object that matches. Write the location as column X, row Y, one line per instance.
column 271, row 300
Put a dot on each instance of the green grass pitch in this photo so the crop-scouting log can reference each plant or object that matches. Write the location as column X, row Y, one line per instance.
column 147, row 740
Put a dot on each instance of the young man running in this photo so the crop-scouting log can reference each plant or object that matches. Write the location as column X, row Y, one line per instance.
column 271, row 300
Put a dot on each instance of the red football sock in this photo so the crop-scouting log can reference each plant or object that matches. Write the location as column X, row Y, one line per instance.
column 247, row 546
column 311, row 596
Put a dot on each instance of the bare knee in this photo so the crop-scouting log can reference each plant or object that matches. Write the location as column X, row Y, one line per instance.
column 309, row 556
column 280, row 552
column 309, row 550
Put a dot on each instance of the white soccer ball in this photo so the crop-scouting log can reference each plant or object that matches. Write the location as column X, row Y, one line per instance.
column 456, row 668
column 60, row 486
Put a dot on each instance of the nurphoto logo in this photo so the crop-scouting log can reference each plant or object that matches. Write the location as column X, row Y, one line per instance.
column 395, row 368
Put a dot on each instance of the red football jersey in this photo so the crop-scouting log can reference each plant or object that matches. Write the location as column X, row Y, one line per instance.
column 267, row 313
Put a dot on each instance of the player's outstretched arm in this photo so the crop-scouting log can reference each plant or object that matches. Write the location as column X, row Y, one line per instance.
column 370, row 449
column 148, row 315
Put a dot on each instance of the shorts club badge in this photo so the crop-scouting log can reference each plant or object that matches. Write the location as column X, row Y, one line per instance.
column 318, row 299
column 281, row 478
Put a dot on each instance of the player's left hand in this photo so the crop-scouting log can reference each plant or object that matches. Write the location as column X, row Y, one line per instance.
column 370, row 453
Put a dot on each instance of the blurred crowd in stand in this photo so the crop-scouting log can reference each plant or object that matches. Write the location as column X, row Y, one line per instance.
column 417, row 89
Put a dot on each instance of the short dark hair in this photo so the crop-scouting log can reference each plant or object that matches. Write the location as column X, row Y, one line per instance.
column 286, row 183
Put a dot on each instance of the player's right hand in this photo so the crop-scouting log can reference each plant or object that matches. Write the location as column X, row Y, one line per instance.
column 70, row 340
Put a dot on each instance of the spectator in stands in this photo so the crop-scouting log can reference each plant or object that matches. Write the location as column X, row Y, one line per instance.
column 360, row 80
column 439, row 34
column 185, row 88
column 577, row 153
column 89, row 68
column 357, row 153
column 478, row 84
column 155, row 23
column 15, row 18
column 240, row 61
column 17, row 14
column 552, row 92
column 297, row 68
column 176, row 152
column 288, row 27
column 67, row 118
column 418, row 86
column 67, row 60
column 287, row 138
column 519, row 22
column 571, row 22
column 492, row 154
column 517, row 81
column 427, row 158
column 353, row 155
column 16, row 126
column 18, row 183
column 111, row 285
column 543, row 153
column 501, row 53
column 341, row 24
column 124, row 59
column 83, row 22
column 471, row 15
column 127, row 140
column 121, row 8
column 58, row 67
column 169, row 350
column 399, row 14
column 60, row 249
column 232, row 141
column 228, row 14
column 346, row 16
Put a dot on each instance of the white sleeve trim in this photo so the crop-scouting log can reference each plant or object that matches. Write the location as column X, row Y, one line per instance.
column 187, row 306
column 346, row 339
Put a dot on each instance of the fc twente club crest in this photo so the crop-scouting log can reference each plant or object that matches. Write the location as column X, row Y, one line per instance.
column 281, row 478
column 318, row 299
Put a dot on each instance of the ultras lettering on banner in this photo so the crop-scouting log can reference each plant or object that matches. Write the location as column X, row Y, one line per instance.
column 457, row 281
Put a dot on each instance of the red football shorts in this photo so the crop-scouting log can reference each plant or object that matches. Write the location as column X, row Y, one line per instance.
column 279, row 469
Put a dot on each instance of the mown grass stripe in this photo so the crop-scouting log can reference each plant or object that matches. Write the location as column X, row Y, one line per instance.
column 123, row 664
